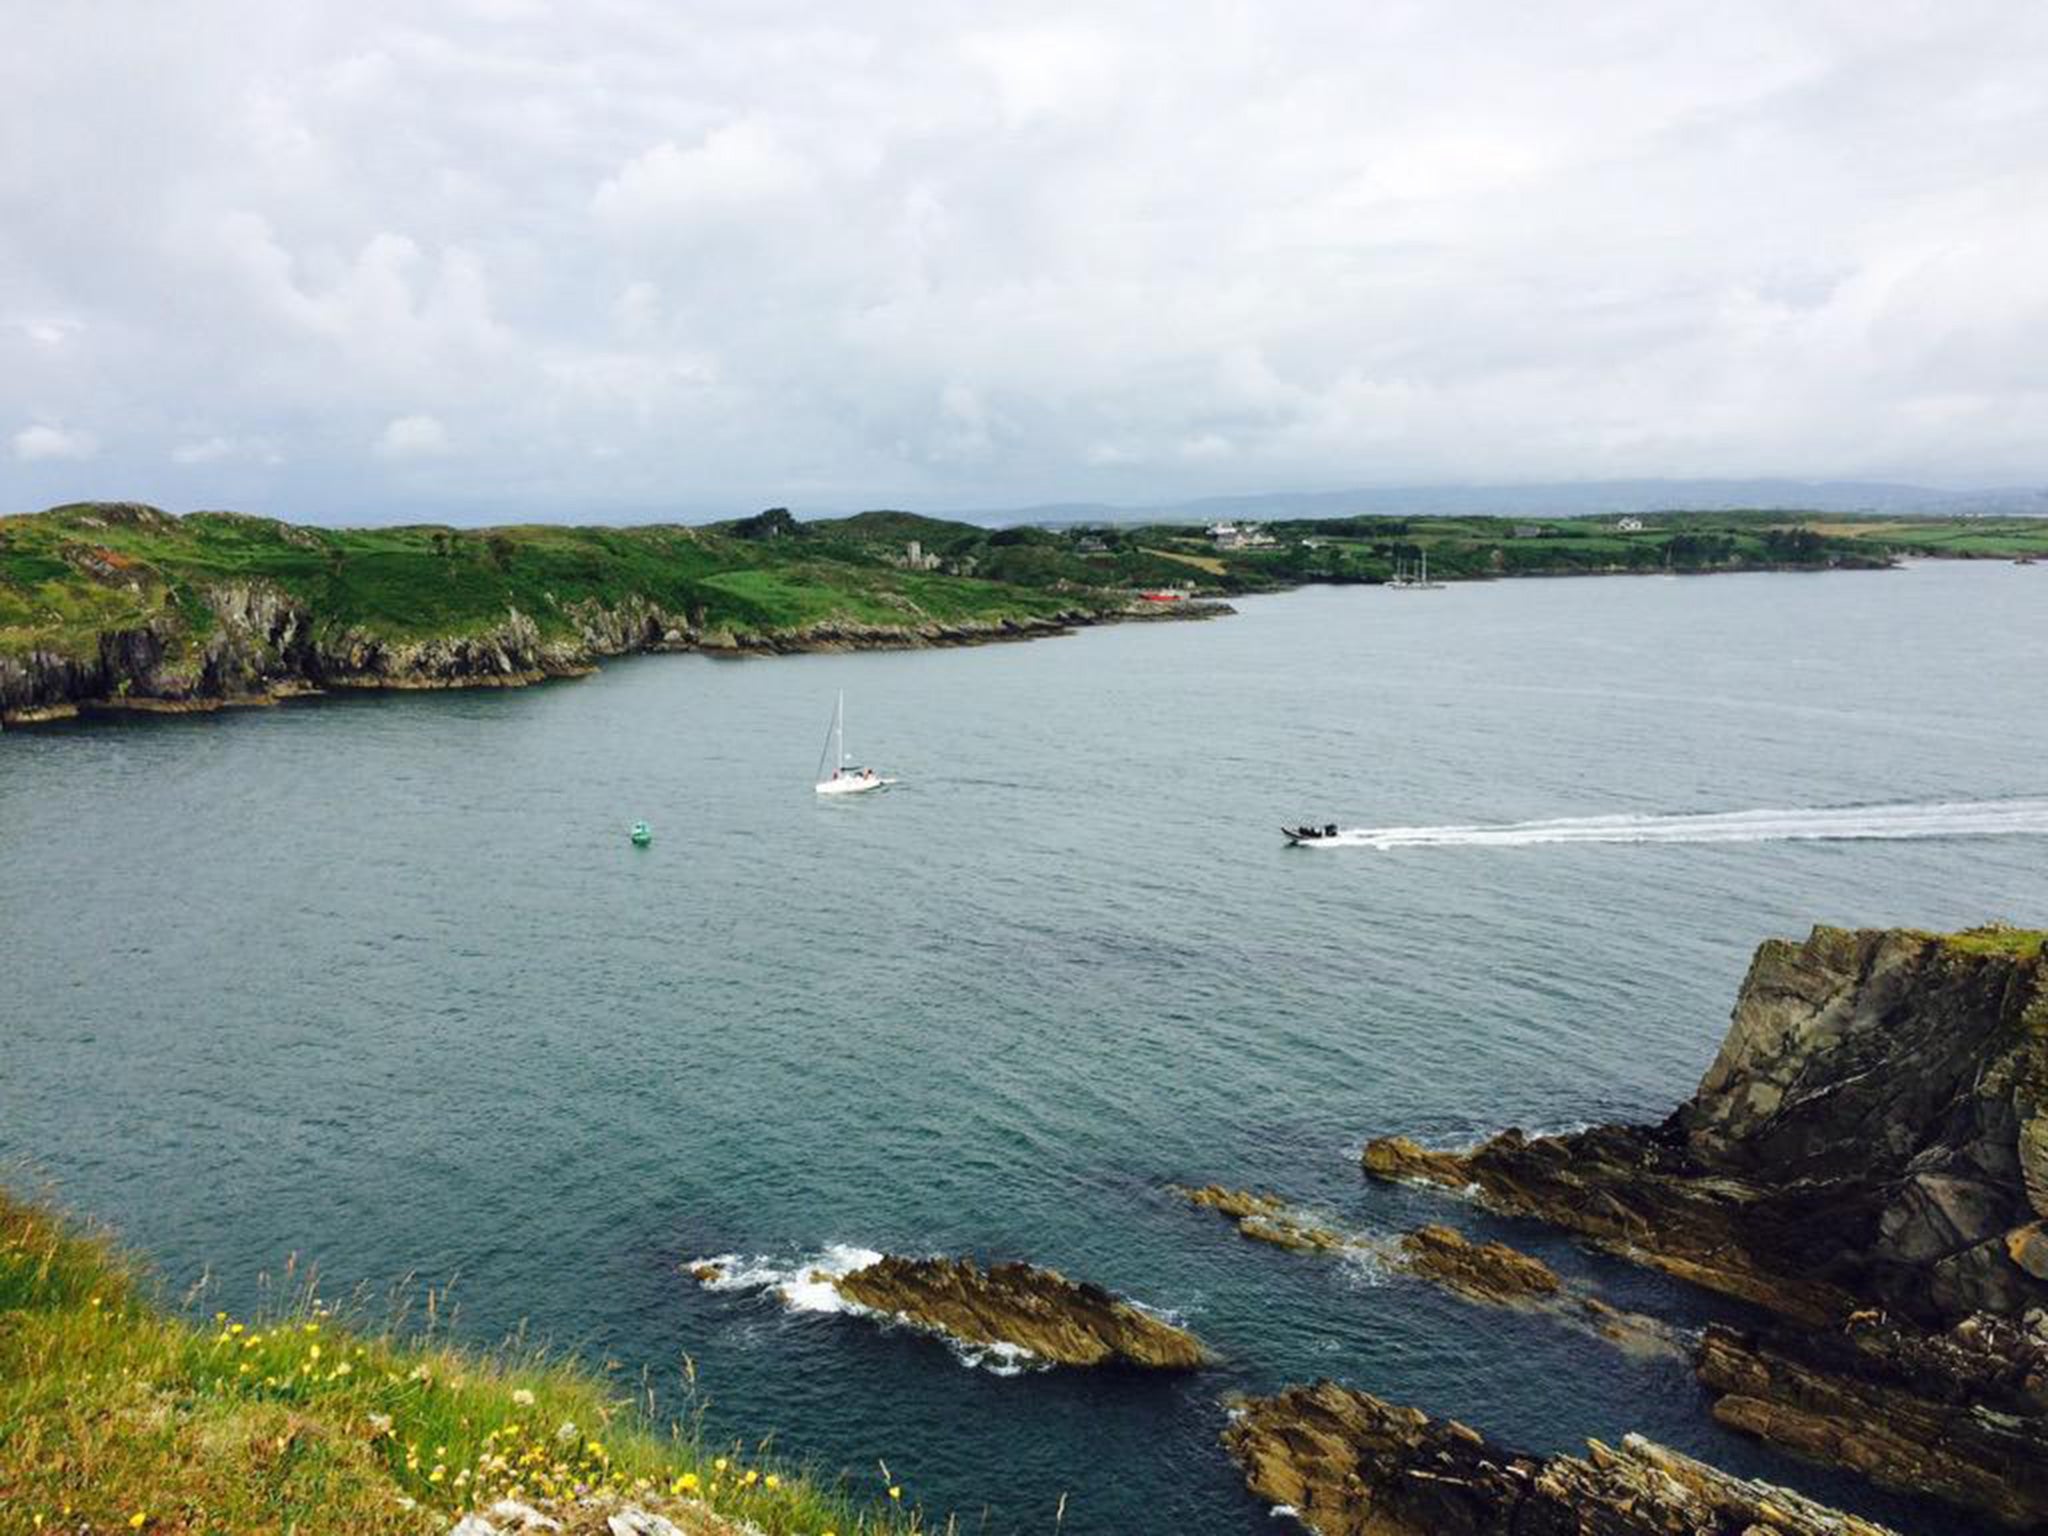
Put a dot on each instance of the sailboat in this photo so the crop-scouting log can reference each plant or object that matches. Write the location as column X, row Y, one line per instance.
column 1406, row 580
column 836, row 773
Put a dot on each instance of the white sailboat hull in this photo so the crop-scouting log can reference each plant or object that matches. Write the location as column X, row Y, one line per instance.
column 851, row 784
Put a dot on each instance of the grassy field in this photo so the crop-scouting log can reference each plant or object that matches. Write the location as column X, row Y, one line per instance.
column 120, row 1415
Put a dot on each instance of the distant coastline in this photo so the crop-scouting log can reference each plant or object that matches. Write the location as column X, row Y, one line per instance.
column 109, row 608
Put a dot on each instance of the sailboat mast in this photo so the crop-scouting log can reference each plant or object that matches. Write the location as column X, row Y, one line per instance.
column 840, row 716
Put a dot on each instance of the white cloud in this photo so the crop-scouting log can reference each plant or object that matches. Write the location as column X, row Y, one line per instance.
column 736, row 167
column 412, row 437
column 43, row 441
column 902, row 255
column 1045, row 71
column 219, row 450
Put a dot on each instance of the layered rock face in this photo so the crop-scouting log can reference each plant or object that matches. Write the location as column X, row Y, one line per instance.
column 1017, row 1306
column 1868, row 1158
column 1348, row 1464
column 1874, row 1131
column 1962, row 1415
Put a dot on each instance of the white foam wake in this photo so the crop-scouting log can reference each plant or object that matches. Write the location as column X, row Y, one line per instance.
column 1884, row 823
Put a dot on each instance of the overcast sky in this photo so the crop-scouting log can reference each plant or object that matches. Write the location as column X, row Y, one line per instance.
column 369, row 260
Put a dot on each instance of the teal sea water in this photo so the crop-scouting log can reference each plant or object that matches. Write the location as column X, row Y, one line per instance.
column 380, row 982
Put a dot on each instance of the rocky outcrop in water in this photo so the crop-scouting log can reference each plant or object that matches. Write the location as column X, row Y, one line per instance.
column 1868, row 1158
column 1269, row 1219
column 1482, row 1271
column 1020, row 1307
column 1347, row 1464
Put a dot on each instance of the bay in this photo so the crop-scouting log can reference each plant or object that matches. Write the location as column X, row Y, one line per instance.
column 379, row 982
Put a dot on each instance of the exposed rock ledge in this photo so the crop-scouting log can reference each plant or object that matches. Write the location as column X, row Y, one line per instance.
column 1347, row 1464
column 1868, row 1158
column 1019, row 1307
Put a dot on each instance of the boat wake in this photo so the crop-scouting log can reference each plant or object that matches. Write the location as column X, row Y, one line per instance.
column 1853, row 823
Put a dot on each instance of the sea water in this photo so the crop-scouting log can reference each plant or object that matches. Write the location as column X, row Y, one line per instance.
column 380, row 983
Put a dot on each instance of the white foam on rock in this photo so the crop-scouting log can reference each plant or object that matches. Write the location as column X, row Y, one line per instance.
column 808, row 1285
column 805, row 1286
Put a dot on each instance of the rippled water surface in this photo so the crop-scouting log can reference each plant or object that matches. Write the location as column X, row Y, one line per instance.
column 379, row 981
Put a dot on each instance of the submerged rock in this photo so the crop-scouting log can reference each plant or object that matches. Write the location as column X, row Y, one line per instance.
column 1019, row 1307
column 1269, row 1219
column 1489, row 1273
column 1348, row 1464
column 1867, row 1157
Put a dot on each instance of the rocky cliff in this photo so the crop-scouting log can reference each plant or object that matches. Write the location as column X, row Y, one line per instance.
column 1874, row 1131
column 1868, row 1158
column 262, row 646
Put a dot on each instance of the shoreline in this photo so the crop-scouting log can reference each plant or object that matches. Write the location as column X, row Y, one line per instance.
column 569, row 663
column 452, row 662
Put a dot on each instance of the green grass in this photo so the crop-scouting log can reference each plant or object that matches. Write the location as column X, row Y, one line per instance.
column 2022, row 944
column 73, row 573
column 119, row 1414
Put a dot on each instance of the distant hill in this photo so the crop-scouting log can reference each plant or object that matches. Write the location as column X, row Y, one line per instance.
column 1572, row 498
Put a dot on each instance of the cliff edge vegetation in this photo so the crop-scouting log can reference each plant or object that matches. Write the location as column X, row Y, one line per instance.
column 120, row 606
column 119, row 1415
column 116, row 605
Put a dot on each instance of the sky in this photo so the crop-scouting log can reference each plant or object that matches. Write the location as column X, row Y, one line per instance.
column 373, row 261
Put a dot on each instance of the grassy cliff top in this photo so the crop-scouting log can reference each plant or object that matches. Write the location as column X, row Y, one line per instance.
column 72, row 573
column 119, row 1415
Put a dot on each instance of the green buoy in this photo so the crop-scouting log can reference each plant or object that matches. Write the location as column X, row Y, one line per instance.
column 642, row 834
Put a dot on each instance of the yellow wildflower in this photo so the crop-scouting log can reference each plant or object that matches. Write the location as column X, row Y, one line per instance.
column 687, row 1483
column 772, row 1481
column 895, row 1492
column 139, row 1519
column 719, row 1464
column 522, row 1397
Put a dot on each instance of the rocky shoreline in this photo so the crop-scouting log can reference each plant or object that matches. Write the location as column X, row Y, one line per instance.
column 267, row 649
column 1347, row 1464
column 1867, row 1158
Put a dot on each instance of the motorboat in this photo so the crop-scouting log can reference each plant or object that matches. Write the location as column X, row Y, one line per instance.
column 1303, row 835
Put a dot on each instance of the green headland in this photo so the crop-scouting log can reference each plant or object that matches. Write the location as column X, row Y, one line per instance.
column 121, row 606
